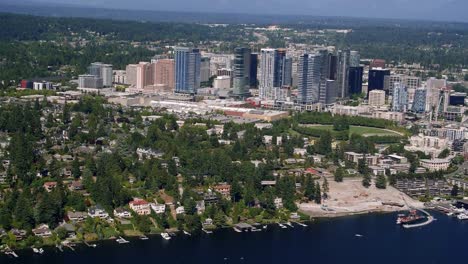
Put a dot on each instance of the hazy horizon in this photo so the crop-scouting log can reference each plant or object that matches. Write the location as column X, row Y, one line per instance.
column 437, row 10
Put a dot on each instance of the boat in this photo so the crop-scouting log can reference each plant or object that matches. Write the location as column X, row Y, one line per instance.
column 143, row 237
column 265, row 227
column 254, row 229
column 11, row 253
column 165, row 236
column 282, row 226
column 289, row 224
column 462, row 217
column 450, row 214
column 121, row 240
column 358, row 235
column 237, row 230
column 207, row 231
column 187, row 233
column 301, row 224
column 408, row 219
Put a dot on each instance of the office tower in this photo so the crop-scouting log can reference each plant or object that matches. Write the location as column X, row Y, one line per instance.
column 280, row 62
column 377, row 78
column 187, row 70
column 342, row 78
column 328, row 92
column 89, row 81
column 377, row 63
column 164, row 73
column 131, row 72
column 268, row 74
column 419, row 101
column 400, row 98
column 309, row 77
column 457, row 99
column 354, row 58
column 241, row 71
column 253, row 70
column 103, row 71
column 376, row 98
column 411, row 82
column 355, row 80
column 205, row 69
column 144, row 75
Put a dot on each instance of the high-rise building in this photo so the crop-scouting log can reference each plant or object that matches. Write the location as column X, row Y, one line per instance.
column 253, row 70
column 419, row 101
column 187, row 70
column 89, row 81
column 144, row 75
column 268, row 73
column 377, row 79
column 205, row 72
column 131, row 72
column 287, row 72
column 103, row 71
column 377, row 98
column 241, row 79
column 342, row 78
column 400, row 98
column 309, row 78
column 328, row 92
column 164, row 73
column 354, row 58
column 434, row 87
column 355, row 80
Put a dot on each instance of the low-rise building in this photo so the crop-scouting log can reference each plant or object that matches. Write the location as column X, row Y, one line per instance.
column 77, row 216
column 158, row 208
column 97, row 212
column 180, row 210
column 42, row 231
column 435, row 164
column 49, row 186
column 122, row 213
column 224, row 190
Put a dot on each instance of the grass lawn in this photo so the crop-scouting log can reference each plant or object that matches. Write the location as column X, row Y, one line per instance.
column 369, row 131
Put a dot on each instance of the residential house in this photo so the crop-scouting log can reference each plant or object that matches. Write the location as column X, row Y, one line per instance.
column 278, row 202
column 224, row 189
column 42, row 231
column 180, row 210
column 76, row 186
column 158, row 208
column 200, row 207
column 97, row 212
column 77, row 216
column 122, row 213
column 140, row 206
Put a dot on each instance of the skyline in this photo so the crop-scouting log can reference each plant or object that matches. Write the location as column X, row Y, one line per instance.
column 433, row 10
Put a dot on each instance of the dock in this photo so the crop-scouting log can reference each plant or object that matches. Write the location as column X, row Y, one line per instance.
column 429, row 220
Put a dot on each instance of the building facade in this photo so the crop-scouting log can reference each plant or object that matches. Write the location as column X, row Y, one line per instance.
column 187, row 70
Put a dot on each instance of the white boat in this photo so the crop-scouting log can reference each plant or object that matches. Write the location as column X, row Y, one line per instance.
column 450, row 214
column 121, row 240
column 358, row 235
column 38, row 251
column 462, row 217
column 187, row 233
column 282, row 226
column 265, row 227
column 255, row 230
column 237, row 230
column 165, row 236
column 301, row 224
column 207, row 231
column 144, row 237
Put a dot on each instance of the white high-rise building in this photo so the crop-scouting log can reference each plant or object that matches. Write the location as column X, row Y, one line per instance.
column 354, row 58
column 103, row 71
column 434, row 87
column 400, row 98
column 268, row 69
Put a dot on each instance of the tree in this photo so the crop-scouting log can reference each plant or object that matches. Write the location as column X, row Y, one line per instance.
column 318, row 195
column 325, row 188
column 362, row 166
column 381, row 182
column 454, row 191
column 339, row 174
column 76, row 172
column 324, row 144
column 366, row 180
column 445, row 153
column 309, row 190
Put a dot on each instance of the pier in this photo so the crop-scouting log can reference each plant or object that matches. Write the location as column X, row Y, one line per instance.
column 429, row 220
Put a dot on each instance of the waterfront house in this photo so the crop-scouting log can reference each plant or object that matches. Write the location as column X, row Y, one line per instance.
column 158, row 208
column 278, row 202
column 200, row 207
column 208, row 222
column 42, row 231
column 49, row 186
column 122, row 213
column 19, row 233
column 140, row 206
column 97, row 212
column 77, row 216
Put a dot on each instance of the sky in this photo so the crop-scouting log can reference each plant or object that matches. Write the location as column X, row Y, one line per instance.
column 410, row 9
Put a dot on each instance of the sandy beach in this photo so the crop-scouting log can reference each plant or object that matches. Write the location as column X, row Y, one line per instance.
column 350, row 197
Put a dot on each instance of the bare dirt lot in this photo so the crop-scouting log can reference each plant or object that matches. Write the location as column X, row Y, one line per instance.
column 350, row 197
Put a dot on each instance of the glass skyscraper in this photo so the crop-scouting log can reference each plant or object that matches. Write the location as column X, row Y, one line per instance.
column 187, row 70
column 241, row 71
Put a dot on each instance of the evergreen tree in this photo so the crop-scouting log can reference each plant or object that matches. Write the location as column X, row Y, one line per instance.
column 76, row 172
column 318, row 195
column 309, row 190
column 366, row 180
column 339, row 174
column 381, row 182
column 454, row 191
column 325, row 188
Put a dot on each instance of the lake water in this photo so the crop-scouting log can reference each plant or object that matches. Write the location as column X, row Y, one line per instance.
column 324, row 241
